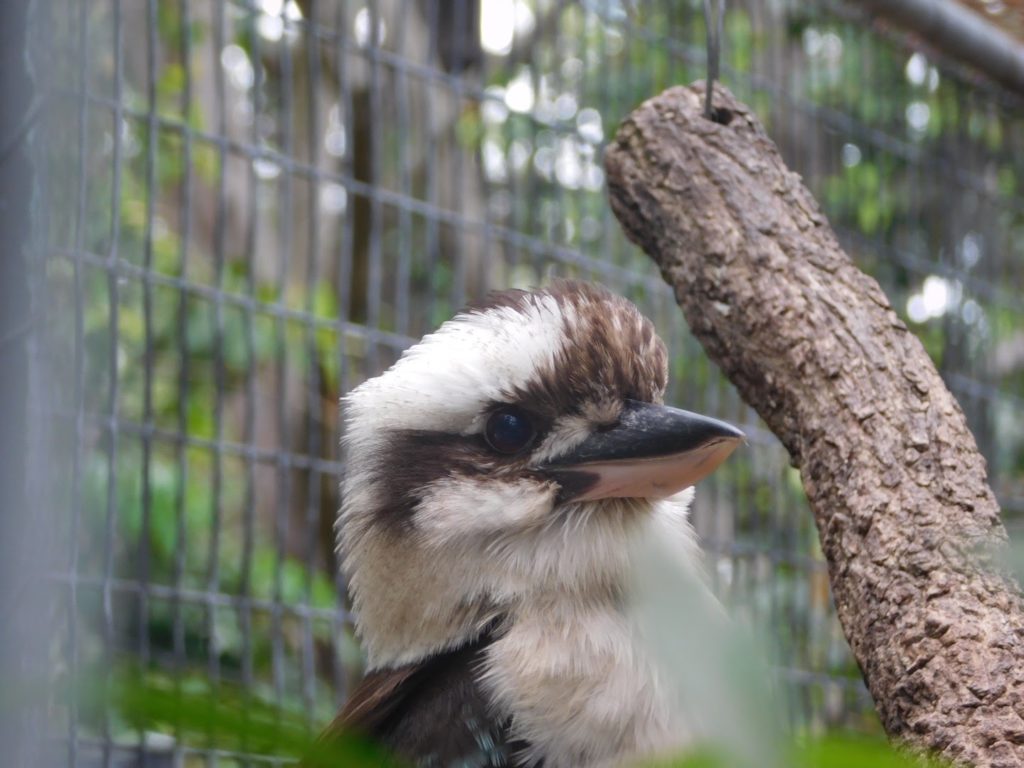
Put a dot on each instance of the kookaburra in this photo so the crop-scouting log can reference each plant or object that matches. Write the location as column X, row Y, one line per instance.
column 496, row 477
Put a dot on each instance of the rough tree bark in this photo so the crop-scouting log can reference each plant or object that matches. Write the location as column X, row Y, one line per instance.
column 897, row 486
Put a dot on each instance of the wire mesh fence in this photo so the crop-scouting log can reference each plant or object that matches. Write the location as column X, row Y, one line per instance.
column 247, row 207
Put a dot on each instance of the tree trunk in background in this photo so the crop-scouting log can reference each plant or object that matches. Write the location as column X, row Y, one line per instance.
column 897, row 486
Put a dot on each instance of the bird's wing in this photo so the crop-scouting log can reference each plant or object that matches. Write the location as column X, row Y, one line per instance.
column 373, row 701
column 431, row 712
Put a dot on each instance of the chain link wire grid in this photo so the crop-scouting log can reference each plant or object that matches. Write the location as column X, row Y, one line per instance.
column 247, row 207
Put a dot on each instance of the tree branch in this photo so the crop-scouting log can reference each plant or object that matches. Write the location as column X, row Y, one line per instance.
column 898, row 489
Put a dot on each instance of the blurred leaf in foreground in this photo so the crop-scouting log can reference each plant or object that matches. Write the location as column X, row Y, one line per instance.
column 228, row 719
column 853, row 751
column 838, row 750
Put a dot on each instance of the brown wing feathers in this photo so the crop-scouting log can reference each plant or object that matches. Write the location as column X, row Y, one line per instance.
column 431, row 712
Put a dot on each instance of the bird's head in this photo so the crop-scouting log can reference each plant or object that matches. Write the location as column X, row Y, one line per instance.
column 506, row 457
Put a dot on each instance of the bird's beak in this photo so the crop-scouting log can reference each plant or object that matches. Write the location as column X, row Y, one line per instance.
column 652, row 452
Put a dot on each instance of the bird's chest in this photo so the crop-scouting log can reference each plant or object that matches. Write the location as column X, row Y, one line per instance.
column 579, row 688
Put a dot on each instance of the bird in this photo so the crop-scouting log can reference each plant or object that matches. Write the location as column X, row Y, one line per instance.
column 495, row 478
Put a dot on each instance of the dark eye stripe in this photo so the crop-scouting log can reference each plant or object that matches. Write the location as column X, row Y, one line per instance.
column 417, row 458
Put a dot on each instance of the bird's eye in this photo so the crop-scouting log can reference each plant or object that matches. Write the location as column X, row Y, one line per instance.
column 509, row 430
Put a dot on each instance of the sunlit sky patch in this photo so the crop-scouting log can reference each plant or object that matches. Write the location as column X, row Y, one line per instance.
column 274, row 14
column 361, row 29
column 937, row 296
column 501, row 21
column 918, row 72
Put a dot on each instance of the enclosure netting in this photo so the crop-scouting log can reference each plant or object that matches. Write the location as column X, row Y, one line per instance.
column 246, row 208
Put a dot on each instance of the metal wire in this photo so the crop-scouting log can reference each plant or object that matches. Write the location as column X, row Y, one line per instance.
column 713, row 20
column 246, row 208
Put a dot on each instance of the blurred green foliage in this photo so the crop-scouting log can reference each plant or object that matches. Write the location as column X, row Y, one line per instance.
column 232, row 720
column 838, row 750
column 236, row 722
